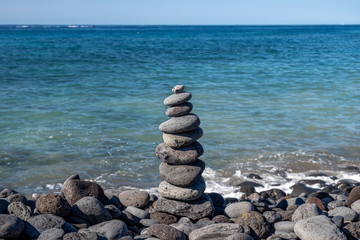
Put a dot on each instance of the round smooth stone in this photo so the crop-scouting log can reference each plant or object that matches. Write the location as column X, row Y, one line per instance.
column 179, row 110
column 182, row 175
column 177, row 99
column 190, row 193
column 178, row 89
column 182, row 139
column 181, row 124
column 184, row 155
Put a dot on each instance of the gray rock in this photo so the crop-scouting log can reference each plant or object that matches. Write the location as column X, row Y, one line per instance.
column 17, row 197
column 83, row 234
column 184, row 155
column 294, row 201
column 178, row 89
column 74, row 189
column 181, row 124
column 300, row 188
column 272, row 216
column 3, row 206
column 284, row 226
column 165, row 232
column 90, row 209
column 216, row 231
column 177, row 99
column 39, row 223
column 182, row 139
column 194, row 210
column 347, row 213
column 78, row 222
column 164, row 218
column 112, row 230
column 338, row 220
column 52, row 234
column 109, row 193
column 19, row 210
column 114, row 200
column 256, row 221
column 7, row 192
column 319, row 228
column 182, row 175
column 286, row 235
column 148, row 222
column 352, row 231
column 179, row 110
column 235, row 210
column 305, row 211
column 53, row 204
column 134, row 198
column 114, row 211
column 137, row 212
column 239, row 236
column 10, row 226
column 356, row 206
column 190, row 193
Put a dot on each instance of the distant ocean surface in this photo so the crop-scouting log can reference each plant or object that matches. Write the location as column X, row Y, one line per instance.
column 279, row 101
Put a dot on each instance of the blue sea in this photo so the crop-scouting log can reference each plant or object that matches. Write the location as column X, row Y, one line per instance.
column 279, row 101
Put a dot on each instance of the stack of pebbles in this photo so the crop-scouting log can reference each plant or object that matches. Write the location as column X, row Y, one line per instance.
column 181, row 169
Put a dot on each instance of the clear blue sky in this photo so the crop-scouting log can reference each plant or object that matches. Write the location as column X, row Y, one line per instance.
column 179, row 12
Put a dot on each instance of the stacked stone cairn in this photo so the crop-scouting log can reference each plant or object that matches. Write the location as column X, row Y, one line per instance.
column 182, row 191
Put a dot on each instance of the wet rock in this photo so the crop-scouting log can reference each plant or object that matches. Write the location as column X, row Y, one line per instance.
column 235, row 210
column 179, row 140
column 178, row 89
column 300, row 188
column 194, row 210
column 112, row 230
column 181, row 124
column 177, row 99
column 305, row 211
column 163, row 218
column 216, row 231
column 90, row 209
column 39, row 223
column 74, row 189
column 352, row 231
column 320, row 174
column 275, row 193
column 10, row 226
column 189, row 193
column 217, row 199
column 256, row 221
column 137, row 212
column 179, row 110
column 347, row 213
column 182, row 175
column 165, row 232
column 318, row 227
column 19, row 210
column 134, row 198
column 52, row 234
column 53, row 204
column 184, row 155
column 353, row 196
column 3, row 206
column 272, row 216
column 352, row 169
column 253, row 176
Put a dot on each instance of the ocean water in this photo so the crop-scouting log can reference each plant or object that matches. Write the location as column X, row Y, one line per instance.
column 280, row 101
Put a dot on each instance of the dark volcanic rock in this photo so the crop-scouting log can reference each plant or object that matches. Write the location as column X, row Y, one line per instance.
column 184, row 155
column 300, row 188
column 19, row 210
column 178, row 89
column 182, row 175
column 134, row 198
column 53, row 204
column 275, row 193
column 353, row 196
column 7, row 192
column 3, row 206
column 52, row 234
column 216, row 231
column 112, row 230
column 194, row 210
column 179, row 110
column 189, row 193
column 74, row 189
column 352, row 231
column 177, row 99
column 90, row 209
column 181, row 124
column 179, row 140
column 222, row 219
column 256, row 221
column 165, row 232
column 10, row 226
column 217, row 199
column 17, row 197
column 164, row 218
column 253, row 176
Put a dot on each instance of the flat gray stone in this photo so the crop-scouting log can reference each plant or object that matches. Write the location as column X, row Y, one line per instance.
column 235, row 210
column 176, row 99
column 217, row 231
column 91, row 210
column 184, row 155
column 194, row 210
column 305, row 211
column 179, row 110
column 285, row 226
column 239, row 236
column 10, row 226
column 319, row 228
column 182, row 139
column 347, row 213
column 190, row 193
column 182, row 175
column 112, row 230
column 20, row 210
column 178, row 89
column 134, row 198
column 52, row 234
column 181, row 124
column 165, row 232
column 137, row 212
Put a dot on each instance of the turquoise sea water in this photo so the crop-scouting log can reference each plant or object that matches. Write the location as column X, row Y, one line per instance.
column 88, row 100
